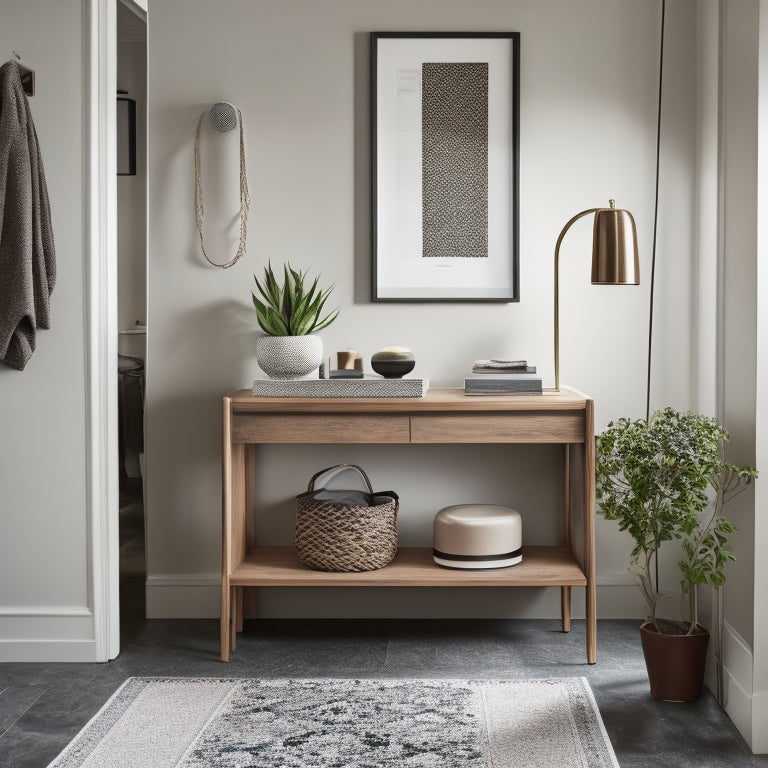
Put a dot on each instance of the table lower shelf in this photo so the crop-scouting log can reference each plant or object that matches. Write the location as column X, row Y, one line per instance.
column 413, row 567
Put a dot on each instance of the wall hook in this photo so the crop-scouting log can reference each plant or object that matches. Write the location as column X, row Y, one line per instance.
column 27, row 76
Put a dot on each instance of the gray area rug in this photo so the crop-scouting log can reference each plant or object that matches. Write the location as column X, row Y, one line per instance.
column 332, row 723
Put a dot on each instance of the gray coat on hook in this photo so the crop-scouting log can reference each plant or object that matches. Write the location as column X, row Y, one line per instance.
column 27, row 258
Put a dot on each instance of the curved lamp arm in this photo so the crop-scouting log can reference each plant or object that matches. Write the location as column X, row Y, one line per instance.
column 614, row 258
column 557, row 291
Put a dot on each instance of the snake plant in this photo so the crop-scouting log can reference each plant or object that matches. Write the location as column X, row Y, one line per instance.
column 290, row 309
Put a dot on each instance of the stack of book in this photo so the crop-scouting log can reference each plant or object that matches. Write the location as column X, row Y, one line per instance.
column 502, row 377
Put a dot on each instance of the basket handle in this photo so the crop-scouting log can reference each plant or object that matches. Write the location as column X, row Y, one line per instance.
column 336, row 470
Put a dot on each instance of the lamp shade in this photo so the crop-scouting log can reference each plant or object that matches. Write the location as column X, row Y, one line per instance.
column 614, row 248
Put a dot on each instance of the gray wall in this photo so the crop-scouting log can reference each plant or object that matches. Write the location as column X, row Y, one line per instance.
column 299, row 72
column 740, row 291
column 44, row 582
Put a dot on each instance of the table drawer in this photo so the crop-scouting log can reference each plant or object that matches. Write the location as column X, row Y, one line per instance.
column 320, row 428
column 522, row 427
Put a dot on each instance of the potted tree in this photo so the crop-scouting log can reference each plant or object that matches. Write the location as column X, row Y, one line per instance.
column 290, row 314
column 666, row 479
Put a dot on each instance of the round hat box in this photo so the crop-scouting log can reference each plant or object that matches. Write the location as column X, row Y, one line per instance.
column 474, row 536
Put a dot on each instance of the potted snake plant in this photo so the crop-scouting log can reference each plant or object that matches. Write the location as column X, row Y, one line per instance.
column 663, row 480
column 290, row 314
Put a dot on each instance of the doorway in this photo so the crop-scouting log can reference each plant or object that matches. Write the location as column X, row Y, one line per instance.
column 131, row 29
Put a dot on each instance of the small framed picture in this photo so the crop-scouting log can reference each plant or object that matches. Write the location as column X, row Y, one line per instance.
column 445, row 166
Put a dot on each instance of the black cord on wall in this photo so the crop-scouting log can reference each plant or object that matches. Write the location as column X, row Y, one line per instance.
column 655, row 217
column 655, row 230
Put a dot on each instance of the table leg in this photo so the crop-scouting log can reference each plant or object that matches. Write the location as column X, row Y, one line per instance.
column 240, row 616
column 565, row 592
column 589, row 532
column 234, row 513
column 225, row 619
column 565, row 607
column 236, row 595
column 591, row 627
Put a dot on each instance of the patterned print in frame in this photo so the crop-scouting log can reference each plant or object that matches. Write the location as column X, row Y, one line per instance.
column 454, row 110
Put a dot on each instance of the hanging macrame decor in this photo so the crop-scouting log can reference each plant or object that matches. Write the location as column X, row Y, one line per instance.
column 222, row 116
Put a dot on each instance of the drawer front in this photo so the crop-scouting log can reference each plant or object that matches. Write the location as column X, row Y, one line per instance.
column 523, row 427
column 320, row 428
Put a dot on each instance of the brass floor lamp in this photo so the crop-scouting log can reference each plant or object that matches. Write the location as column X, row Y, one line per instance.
column 614, row 258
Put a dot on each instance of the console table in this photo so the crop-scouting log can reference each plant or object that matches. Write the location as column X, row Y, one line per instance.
column 442, row 416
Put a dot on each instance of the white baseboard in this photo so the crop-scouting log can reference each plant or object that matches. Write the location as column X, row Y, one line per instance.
column 35, row 649
column 183, row 596
column 44, row 610
column 47, row 633
column 738, row 700
column 759, row 743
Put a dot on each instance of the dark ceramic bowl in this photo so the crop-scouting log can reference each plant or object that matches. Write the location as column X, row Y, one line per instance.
column 392, row 369
column 393, row 362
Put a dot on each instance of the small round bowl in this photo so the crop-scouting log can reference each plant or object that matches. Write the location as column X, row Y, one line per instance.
column 393, row 362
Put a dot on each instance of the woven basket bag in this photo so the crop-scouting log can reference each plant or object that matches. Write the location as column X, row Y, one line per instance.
column 335, row 535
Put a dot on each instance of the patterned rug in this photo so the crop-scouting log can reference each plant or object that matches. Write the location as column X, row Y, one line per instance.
column 331, row 723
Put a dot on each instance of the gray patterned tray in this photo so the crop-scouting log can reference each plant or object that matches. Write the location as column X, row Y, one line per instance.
column 370, row 386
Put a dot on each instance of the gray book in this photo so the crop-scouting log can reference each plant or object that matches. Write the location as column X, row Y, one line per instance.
column 489, row 370
column 500, row 383
column 506, row 365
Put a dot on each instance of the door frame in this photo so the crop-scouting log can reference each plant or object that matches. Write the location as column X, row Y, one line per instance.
column 100, row 225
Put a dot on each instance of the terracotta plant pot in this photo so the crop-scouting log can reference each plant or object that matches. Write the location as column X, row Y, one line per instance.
column 675, row 662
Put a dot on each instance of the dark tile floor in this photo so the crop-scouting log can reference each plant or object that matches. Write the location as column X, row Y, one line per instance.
column 42, row 706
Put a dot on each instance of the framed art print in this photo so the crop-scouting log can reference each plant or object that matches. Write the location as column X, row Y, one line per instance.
column 444, row 144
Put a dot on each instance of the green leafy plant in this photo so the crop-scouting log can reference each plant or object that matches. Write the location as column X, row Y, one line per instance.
column 666, row 479
column 290, row 309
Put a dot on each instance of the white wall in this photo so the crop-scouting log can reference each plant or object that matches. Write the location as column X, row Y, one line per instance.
column 299, row 72
column 45, row 598
column 675, row 357
column 740, row 374
column 760, row 641
column 740, row 286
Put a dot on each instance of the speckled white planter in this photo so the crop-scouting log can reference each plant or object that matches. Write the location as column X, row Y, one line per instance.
column 289, row 357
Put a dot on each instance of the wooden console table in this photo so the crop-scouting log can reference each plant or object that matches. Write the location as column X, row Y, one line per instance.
column 443, row 416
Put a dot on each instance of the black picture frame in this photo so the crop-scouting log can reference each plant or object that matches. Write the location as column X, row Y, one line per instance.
column 445, row 223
